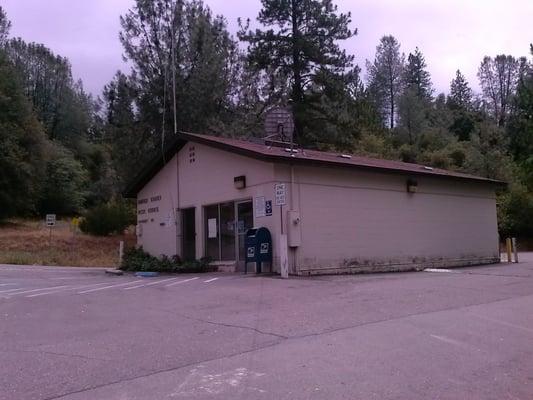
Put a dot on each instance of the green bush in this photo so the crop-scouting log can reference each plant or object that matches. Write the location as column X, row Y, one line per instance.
column 65, row 187
column 136, row 259
column 106, row 219
column 515, row 213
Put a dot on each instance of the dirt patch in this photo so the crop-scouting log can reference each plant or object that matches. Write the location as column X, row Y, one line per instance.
column 29, row 242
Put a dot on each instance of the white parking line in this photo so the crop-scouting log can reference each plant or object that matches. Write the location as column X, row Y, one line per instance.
column 210, row 280
column 164, row 280
column 134, row 287
column 38, row 290
column 179, row 282
column 150, row 284
column 442, row 270
column 11, row 290
column 109, row 287
column 65, row 290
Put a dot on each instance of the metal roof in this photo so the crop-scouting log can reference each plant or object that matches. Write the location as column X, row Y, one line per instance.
column 298, row 156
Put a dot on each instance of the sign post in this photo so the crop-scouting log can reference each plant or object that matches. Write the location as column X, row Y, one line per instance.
column 281, row 199
column 50, row 223
column 280, row 192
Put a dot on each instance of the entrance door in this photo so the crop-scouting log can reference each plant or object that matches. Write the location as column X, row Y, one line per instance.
column 220, row 231
column 188, row 224
column 245, row 221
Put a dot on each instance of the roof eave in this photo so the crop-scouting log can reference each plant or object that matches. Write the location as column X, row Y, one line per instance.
column 175, row 145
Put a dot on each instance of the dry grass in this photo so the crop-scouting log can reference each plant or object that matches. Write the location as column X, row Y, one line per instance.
column 28, row 242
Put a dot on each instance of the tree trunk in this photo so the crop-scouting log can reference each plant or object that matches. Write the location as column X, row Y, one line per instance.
column 392, row 108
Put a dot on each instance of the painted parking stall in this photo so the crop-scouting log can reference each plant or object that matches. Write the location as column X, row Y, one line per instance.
column 19, row 283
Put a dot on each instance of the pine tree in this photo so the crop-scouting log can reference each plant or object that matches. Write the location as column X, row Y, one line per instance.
column 385, row 77
column 5, row 26
column 154, row 33
column 23, row 147
column 520, row 126
column 127, row 137
column 417, row 78
column 300, row 42
column 460, row 93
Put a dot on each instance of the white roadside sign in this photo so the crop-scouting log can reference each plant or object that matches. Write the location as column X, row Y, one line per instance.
column 50, row 219
column 281, row 194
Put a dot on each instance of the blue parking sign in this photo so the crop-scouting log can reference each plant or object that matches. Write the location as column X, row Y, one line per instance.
column 268, row 207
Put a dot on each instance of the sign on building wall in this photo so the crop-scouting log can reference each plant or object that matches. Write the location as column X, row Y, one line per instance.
column 260, row 206
column 268, row 208
column 212, row 228
column 281, row 194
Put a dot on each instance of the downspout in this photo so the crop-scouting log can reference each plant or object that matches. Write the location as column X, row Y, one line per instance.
column 294, row 249
column 292, row 187
column 178, row 221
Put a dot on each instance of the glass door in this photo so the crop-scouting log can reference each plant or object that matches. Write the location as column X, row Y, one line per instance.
column 220, row 231
column 211, row 229
column 245, row 221
column 227, row 231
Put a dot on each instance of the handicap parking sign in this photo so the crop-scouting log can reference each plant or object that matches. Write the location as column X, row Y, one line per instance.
column 268, row 208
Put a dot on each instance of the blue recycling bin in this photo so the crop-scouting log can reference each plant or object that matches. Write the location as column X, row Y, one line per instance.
column 258, row 248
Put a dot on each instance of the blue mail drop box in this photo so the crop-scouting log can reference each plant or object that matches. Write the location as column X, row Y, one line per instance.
column 258, row 248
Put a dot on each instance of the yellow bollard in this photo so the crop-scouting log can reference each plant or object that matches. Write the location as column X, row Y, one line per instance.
column 515, row 249
column 509, row 246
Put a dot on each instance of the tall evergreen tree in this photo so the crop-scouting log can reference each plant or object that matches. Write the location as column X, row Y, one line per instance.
column 520, row 126
column 61, row 104
column 5, row 26
column 385, row 77
column 300, row 42
column 460, row 104
column 159, row 34
column 125, row 135
column 460, row 93
column 417, row 78
column 23, row 147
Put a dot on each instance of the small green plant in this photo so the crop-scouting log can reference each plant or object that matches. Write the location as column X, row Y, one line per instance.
column 136, row 259
column 107, row 219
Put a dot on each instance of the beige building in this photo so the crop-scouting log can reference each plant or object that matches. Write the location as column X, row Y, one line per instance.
column 341, row 213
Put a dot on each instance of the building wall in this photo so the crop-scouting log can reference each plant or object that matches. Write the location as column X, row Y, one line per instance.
column 205, row 178
column 156, row 217
column 366, row 221
column 350, row 220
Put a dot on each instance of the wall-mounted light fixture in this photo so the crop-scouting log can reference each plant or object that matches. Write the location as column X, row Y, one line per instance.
column 412, row 185
column 239, row 182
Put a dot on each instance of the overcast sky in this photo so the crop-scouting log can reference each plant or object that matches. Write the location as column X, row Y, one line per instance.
column 452, row 34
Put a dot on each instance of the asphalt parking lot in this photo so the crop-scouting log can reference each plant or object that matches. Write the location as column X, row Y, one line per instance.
column 80, row 334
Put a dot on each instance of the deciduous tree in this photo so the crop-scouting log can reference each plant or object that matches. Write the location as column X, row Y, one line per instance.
column 499, row 78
